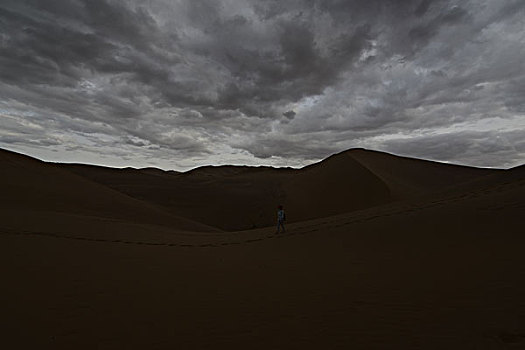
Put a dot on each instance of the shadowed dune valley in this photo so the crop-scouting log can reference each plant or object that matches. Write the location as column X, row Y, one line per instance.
column 379, row 252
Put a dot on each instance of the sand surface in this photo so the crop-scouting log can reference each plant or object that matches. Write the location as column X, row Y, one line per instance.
column 86, row 265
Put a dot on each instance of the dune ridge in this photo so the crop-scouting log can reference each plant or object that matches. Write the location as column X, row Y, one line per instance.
column 239, row 198
column 421, row 263
column 33, row 192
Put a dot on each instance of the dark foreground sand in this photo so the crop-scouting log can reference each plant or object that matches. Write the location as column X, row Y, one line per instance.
column 442, row 271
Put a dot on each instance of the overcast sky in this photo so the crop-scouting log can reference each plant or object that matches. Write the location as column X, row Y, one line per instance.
column 177, row 84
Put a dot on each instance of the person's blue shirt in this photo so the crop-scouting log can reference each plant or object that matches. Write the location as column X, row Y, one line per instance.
column 280, row 215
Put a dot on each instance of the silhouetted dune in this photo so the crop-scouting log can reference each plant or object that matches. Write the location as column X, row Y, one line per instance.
column 237, row 197
column 241, row 197
column 230, row 197
column 85, row 266
column 409, row 177
column 336, row 185
column 32, row 186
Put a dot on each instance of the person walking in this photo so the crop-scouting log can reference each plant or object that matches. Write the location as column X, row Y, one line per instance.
column 281, row 217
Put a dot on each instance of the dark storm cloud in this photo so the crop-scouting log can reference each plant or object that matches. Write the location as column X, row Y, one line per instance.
column 56, row 46
column 289, row 114
column 423, row 33
column 47, row 43
column 271, row 79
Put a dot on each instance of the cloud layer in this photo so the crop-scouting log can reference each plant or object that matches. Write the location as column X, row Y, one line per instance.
column 177, row 84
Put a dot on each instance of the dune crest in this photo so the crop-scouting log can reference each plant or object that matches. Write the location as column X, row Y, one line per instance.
column 36, row 194
column 94, row 257
column 227, row 198
column 241, row 197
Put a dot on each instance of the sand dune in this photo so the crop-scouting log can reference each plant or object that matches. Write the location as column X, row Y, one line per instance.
column 443, row 269
column 238, row 198
column 408, row 177
column 34, row 192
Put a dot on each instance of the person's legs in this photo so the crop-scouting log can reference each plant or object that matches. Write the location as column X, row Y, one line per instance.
column 279, row 225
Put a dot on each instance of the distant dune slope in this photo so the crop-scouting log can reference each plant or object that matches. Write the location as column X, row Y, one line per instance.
column 336, row 185
column 32, row 186
column 238, row 198
column 428, row 273
column 230, row 198
column 441, row 271
column 494, row 179
column 408, row 177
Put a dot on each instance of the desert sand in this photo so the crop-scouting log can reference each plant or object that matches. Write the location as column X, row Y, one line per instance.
column 380, row 252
